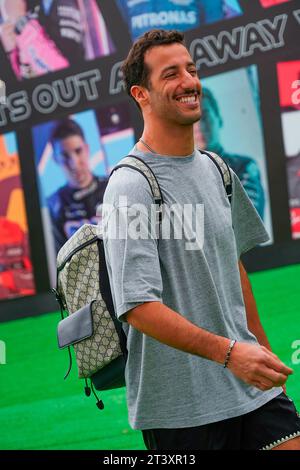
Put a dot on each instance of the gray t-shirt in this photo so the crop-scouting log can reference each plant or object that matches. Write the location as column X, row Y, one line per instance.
column 168, row 388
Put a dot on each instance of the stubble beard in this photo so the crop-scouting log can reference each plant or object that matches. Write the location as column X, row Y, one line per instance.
column 169, row 114
column 185, row 120
column 174, row 116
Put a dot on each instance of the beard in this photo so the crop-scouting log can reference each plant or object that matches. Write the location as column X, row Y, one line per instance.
column 173, row 115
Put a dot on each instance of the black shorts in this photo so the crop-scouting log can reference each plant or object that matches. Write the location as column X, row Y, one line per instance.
column 262, row 429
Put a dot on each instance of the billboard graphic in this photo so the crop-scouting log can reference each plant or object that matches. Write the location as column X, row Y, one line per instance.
column 231, row 108
column 45, row 36
column 182, row 15
column 74, row 157
column 16, row 276
column 289, row 94
column 289, row 84
column 62, row 97
column 271, row 3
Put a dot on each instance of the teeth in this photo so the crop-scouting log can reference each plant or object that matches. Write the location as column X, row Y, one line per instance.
column 188, row 99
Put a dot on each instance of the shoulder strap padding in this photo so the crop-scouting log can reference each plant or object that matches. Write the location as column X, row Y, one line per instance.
column 87, row 233
column 138, row 164
column 224, row 171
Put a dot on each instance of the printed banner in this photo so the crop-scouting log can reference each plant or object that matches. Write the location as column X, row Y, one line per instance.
column 62, row 98
column 47, row 36
column 16, row 275
column 74, row 157
column 232, row 128
column 289, row 94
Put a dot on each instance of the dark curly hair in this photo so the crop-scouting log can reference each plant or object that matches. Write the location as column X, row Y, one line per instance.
column 66, row 128
column 134, row 69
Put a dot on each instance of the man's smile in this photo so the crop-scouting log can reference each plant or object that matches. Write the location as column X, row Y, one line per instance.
column 191, row 99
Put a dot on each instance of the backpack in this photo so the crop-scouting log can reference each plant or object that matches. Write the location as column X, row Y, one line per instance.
column 83, row 292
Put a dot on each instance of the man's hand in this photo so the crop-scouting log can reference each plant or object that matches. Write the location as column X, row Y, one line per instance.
column 257, row 366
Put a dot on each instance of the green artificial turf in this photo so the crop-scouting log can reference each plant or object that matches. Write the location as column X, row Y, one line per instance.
column 39, row 410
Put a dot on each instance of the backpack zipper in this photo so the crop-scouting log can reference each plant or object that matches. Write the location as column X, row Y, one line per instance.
column 92, row 240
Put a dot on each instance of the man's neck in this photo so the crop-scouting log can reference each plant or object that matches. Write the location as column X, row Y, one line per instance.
column 168, row 140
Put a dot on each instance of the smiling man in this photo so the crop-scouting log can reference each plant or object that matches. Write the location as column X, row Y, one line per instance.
column 200, row 373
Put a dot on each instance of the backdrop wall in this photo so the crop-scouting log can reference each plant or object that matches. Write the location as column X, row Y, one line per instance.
column 60, row 61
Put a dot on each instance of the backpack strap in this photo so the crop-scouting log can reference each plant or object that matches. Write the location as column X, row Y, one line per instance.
column 224, row 171
column 136, row 163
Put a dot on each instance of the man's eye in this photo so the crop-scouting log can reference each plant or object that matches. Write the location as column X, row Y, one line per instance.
column 193, row 72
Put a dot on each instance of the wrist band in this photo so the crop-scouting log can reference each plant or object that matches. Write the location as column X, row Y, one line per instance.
column 232, row 343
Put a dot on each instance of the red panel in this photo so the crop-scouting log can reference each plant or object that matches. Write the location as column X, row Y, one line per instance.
column 295, row 221
column 271, row 3
column 289, row 90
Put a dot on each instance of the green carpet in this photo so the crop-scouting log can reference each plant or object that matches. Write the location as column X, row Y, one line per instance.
column 39, row 410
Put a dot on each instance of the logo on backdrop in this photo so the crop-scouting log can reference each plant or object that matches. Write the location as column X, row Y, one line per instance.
column 238, row 43
column 213, row 50
column 296, row 94
column 46, row 98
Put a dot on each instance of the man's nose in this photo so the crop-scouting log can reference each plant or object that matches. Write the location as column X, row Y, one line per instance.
column 189, row 81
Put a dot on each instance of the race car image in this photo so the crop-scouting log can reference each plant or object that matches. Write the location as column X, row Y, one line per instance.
column 16, row 277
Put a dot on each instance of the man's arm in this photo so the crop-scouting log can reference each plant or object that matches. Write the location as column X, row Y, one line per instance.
column 253, row 320
column 251, row 363
column 169, row 327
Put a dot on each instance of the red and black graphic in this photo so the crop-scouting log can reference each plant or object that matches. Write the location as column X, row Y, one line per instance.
column 16, row 276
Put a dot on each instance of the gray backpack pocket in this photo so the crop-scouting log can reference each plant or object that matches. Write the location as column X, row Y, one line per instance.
column 75, row 327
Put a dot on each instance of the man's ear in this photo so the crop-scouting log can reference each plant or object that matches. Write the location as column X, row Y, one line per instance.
column 140, row 94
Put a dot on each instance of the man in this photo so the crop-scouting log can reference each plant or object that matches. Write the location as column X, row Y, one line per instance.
column 245, row 167
column 75, row 203
column 189, row 386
